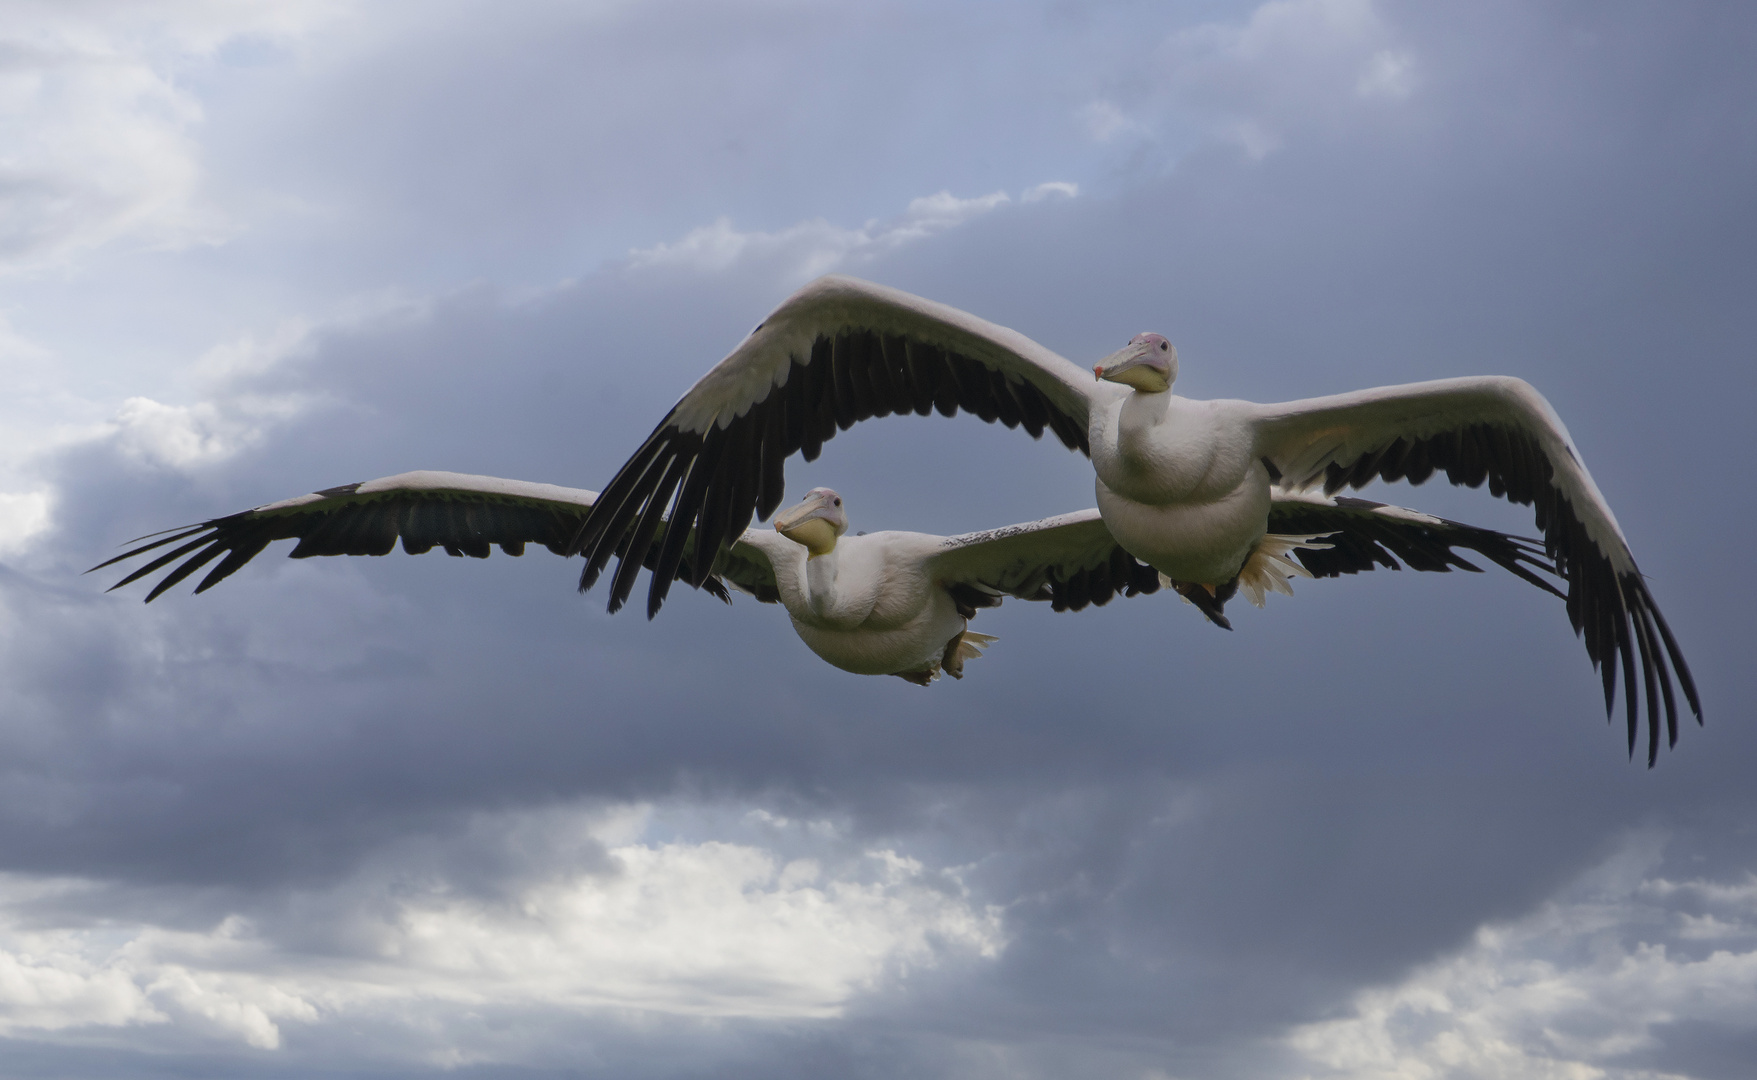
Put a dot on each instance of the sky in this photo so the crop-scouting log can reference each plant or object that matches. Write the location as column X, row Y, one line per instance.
column 420, row 816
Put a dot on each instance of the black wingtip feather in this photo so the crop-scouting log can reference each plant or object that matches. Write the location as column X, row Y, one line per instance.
column 189, row 566
column 1626, row 649
column 181, row 533
column 1610, row 610
column 641, row 539
column 1685, row 680
column 241, row 553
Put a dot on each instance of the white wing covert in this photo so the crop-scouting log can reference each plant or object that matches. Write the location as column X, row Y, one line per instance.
column 746, row 567
column 1070, row 560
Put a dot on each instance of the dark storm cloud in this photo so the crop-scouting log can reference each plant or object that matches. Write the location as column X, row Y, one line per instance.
column 1201, row 838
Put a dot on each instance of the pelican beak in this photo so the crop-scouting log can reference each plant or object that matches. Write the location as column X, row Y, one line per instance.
column 1130, row 355
column 793, row 517
column 1143, row 363
column 815, row 523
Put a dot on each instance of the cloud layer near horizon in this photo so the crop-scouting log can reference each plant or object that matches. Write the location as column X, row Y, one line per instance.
column 417, row 814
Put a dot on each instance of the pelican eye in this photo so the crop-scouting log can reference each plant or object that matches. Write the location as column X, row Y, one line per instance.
column 1164, row 345
column 838, row 502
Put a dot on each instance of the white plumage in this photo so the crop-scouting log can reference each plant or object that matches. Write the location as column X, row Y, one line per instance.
column 896, row 603
column 878, row 604
column 1184, row 485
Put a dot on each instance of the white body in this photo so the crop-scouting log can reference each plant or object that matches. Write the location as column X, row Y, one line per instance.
column 1178, row 485
column 870, row 606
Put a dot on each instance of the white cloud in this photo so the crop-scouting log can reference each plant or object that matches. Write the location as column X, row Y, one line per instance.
column 1256, row 139
column 1293, row 64
column 242, row 1007
column 121, row 976
column 38, row 408
column 1389, row 74
column 49, row 405
column 1564, row 993
column 690, row 928
column 205, row 433
column 23, row 514
column 1104, row 122
column 31, row 416
column 810, row 248
column 227, row 420
column 1283, row 27
column 176, row 435
column 97, row 127
column 1053, row 188
column 702, row 928
column 47, row 985
column 249, row 354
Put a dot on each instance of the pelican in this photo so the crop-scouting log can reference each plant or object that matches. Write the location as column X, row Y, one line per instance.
column 882, row 603
column 1184, row 485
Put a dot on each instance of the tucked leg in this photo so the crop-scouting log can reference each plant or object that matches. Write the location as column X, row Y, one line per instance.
column 1272, row 564
column 1208, row 599
column 967, row 645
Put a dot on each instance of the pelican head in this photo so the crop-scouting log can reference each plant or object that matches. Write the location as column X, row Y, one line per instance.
column 1148, row 363
column 816, row 522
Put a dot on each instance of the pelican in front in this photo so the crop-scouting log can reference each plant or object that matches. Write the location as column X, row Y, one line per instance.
column 881, row 603
column 1185, row 486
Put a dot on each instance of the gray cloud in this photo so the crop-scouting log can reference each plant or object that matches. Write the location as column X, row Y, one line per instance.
column 1201, row 844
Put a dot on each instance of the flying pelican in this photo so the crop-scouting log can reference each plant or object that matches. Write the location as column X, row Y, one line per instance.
column 883, row 603
column 1184, row 485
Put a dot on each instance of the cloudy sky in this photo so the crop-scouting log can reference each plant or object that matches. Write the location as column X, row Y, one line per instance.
column 410, row 816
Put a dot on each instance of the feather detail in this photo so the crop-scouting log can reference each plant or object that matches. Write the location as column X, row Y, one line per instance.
column 966, row 646
column 1270, row 565
column 971, row 644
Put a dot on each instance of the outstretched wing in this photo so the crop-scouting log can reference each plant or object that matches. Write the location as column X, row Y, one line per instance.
column 838, row 351
column 464, row 515
column 1499, row 430
column 1070, row 560
column 1365, row 535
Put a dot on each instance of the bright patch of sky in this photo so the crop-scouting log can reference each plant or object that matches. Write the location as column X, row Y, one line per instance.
column 701, row 929
column 1573, row 989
